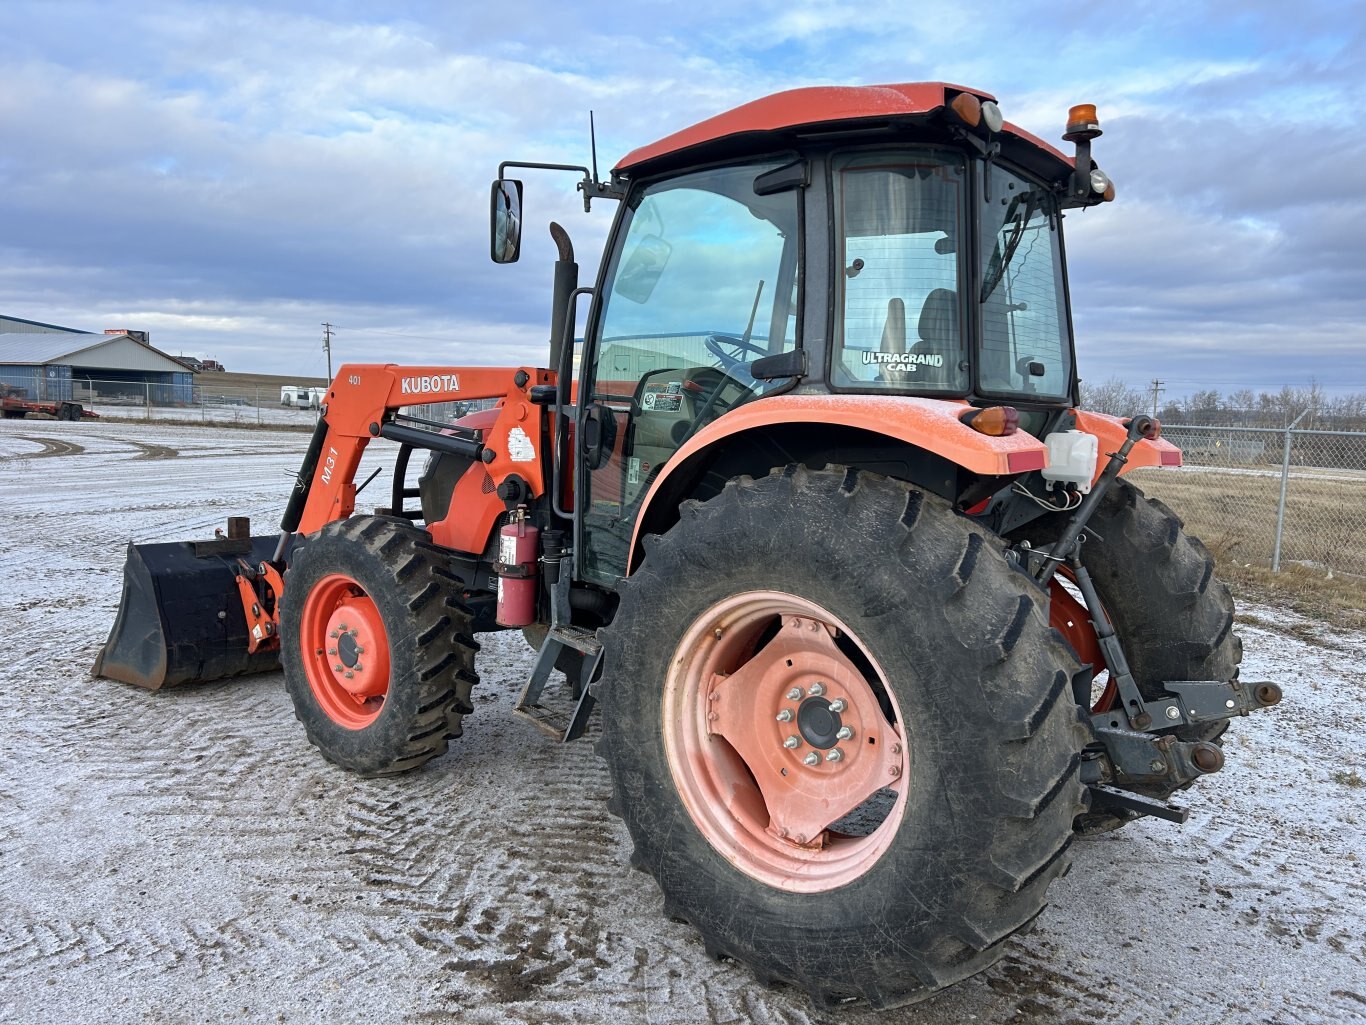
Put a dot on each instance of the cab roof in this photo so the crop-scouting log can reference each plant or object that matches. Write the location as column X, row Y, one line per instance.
column 807, row 108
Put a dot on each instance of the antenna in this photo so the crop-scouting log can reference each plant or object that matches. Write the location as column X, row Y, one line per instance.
column 593, row 141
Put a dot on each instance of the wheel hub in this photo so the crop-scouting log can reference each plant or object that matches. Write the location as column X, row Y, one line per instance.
column 775, row 734
column 352, row 628
column 825, row 749
column 819, row 725
column 346, row 651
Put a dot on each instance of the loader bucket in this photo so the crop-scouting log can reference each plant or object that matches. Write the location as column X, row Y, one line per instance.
column 180, row 619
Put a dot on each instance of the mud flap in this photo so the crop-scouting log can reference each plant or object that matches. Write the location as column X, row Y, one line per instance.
column 180, row 619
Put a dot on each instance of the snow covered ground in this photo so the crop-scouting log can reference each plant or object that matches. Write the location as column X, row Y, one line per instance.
column 186, row 857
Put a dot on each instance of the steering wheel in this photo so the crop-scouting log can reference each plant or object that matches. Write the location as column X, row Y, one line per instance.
column 716, row 345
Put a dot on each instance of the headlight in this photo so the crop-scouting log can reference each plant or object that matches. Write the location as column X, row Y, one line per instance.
column 1100, row 181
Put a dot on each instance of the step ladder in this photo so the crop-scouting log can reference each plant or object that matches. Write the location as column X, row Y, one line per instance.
column 561, row 727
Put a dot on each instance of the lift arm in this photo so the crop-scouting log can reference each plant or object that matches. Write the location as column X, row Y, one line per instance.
column 362, row 403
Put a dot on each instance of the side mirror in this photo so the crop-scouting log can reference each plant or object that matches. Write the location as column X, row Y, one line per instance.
column 505, row 220
column 643, row 268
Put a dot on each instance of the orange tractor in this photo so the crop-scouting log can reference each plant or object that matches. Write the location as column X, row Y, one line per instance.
column 874, row 625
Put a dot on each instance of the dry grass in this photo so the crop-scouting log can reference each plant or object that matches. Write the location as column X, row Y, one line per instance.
column 1235, row 513
column 1323, row 550
column 1323, row 556
column 1337, row 601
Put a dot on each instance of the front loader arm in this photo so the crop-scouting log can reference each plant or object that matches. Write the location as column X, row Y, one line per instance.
column 362, row 403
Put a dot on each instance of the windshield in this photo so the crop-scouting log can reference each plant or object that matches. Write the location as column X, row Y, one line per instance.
column 706, row 277
column 900, row 225
column 1025, row 340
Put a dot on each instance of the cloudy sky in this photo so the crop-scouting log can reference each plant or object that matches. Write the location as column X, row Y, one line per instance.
column 230, row 175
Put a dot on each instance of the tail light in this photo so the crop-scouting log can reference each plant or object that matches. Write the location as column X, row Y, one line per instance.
column 994, row 421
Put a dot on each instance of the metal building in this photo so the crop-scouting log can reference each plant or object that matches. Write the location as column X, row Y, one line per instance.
column 51, row 363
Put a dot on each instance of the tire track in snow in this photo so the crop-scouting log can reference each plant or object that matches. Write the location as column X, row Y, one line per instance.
column 49, row 447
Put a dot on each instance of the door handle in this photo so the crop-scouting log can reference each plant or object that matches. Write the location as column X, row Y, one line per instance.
column 599, row 435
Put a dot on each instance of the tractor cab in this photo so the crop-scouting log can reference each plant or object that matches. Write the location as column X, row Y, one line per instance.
column 864, row 242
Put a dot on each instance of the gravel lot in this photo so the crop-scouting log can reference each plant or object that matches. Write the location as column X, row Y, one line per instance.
column 186, row 857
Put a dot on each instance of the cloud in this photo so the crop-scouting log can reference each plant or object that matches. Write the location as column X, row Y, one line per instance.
column 232, row 174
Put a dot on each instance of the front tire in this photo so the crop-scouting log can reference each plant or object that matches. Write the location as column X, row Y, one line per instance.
column 376, row 646
column 841, row 583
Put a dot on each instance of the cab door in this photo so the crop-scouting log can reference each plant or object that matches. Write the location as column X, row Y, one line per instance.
column 703, row 279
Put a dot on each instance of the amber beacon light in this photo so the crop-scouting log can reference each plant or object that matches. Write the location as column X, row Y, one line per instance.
column 1082, row 123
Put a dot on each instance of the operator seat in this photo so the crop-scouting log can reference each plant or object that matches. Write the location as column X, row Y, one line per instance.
column 939, row 336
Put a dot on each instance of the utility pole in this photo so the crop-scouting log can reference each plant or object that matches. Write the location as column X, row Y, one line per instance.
column 1157, row 390
column 327, row 348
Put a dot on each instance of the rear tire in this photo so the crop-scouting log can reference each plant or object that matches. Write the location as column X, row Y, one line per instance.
column 983, row 810
column 402, row 680
column 1173, row 616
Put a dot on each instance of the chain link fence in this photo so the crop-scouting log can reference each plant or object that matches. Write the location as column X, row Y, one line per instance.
column 208, row 399
column 1270, row 497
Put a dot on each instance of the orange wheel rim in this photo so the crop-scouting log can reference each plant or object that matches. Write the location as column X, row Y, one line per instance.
column 784, row 742
column 345, row 651
column 1072, row 619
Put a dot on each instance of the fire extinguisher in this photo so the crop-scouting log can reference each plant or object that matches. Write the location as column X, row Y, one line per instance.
column 518, row 547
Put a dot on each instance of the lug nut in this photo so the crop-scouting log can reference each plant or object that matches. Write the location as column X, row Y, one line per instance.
column 812, row 758
column 795, row 694
column 355, row 633
column 792, row 742
column 331, row 651
column 341, row 627
column 1173, row 712
column 358, row 667
column 360, row 650
column 332, row 634
column 785, row 715
column 894, row 771
column 843, row 733
column 816, row 690
column 838, row 705
column 339, row 667
column 834, row 755
column 349, row 674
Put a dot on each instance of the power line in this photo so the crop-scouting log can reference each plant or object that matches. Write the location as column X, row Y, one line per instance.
column 327, row 347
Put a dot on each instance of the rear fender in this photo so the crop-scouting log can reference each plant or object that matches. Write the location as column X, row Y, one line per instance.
column 929, row 428
column 1110, row 432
